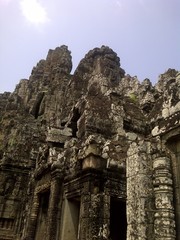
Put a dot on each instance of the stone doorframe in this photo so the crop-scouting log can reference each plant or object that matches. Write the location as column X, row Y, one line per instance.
column 171, row 143
column 95, row 188
column 51, row 182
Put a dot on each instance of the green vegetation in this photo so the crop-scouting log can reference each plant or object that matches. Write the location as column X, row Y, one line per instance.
column 133, row 97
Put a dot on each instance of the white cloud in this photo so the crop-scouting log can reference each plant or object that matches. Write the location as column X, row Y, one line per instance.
column 33, row 11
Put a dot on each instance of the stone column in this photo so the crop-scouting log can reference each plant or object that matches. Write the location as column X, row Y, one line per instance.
column 139, row 192
column 31, row 229
column 94, row 216
column 53, row 209
column 164, row 217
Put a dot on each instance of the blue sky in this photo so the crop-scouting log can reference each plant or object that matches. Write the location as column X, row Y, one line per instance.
column 144, row 33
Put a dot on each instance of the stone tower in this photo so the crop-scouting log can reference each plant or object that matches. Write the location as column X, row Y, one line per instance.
column 90, row 156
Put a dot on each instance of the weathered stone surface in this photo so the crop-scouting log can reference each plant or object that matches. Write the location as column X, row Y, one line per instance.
column 93, row 155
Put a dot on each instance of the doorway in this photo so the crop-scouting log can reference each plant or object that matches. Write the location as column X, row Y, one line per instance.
column 70, row 221
column 42, row 215
column 118, row 221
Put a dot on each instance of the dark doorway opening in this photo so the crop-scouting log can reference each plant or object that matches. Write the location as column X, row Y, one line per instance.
column 118, row 222
column 42, row 215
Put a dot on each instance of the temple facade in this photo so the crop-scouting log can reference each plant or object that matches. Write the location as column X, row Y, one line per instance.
column 93, row 155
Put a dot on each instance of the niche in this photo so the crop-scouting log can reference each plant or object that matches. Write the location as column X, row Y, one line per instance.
column 118, row 222
column 73, row 123
column 35, row 111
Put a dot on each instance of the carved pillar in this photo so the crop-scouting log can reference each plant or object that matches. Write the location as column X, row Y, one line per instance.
column 139, row 192
column 53, row 210
column 164, row 217
column 94, row 214
column 33, row 219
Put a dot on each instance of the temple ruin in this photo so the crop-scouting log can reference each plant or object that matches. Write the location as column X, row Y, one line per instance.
column 93, row 155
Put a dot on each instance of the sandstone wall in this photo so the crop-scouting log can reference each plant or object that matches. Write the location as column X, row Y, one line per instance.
column 87, row 142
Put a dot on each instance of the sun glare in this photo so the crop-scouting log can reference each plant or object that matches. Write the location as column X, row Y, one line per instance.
column 33, row 11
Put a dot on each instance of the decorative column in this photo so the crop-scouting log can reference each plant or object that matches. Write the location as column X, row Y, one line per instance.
column 164, row 217
column 31, row 230
column 139, row 192
column 54, row 204
column 94, row 213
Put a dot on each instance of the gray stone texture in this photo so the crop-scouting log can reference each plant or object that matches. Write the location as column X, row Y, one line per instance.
column 92, row 155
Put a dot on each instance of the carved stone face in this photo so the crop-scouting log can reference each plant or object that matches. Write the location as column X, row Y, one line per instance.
column 108, row 66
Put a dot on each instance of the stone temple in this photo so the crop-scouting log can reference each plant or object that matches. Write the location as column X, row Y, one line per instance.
column 93, row 155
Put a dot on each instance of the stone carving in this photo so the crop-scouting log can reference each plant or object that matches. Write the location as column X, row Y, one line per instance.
column 96, row 149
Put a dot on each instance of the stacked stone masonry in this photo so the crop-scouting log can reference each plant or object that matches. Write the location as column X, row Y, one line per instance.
column 93, row 155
